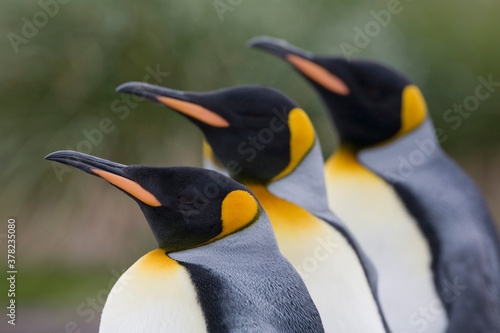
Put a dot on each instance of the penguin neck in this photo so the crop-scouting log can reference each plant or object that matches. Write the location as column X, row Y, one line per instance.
column 305, row 185
column 371, row 159
column 396, row 160
column 210, row 162
column 343, row 160
column 243, row 241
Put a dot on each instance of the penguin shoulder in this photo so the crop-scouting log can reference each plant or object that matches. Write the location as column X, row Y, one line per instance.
column 154, row 294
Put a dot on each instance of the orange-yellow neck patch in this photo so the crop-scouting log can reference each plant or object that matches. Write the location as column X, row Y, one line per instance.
column 239, row 208
column 208, row 153
column 157, row 261
column 289, row 220
column 129, row 186
column 301, row 139
column 344, row 163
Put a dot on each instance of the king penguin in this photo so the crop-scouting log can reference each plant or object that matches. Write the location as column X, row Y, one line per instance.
column 264, row 140
column 217, row 267
column 419, row 216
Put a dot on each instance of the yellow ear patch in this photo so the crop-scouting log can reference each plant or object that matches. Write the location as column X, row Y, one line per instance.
column 301, row 139
column 239, row 208
column 195, row 111
column 414, row 109
column 320, row 75
column 129, row 186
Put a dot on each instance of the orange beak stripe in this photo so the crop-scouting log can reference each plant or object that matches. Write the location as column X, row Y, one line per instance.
column 319, row 75
column 129, row 186
column 195, row 111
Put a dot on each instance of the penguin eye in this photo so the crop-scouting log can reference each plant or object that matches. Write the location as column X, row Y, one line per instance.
column 185, row 199
column 255, row 115
column 374, row 92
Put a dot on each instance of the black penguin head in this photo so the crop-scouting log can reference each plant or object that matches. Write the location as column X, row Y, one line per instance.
column 256, row 132
column 369, row 103
column 185, row 207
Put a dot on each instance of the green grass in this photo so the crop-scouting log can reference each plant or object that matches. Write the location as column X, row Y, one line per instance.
column 59, row 286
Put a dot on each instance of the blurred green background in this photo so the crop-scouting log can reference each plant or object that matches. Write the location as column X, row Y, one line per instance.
column 57, row 81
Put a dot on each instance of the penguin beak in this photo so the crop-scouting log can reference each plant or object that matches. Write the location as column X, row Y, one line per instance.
column 174, row 99
column 86, row 162
column 303, row 61
column 278, row 47
column 112, row 172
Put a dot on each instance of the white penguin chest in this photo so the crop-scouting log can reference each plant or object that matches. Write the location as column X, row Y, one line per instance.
column 393, row 241
column 328, row 265
column 154, row 295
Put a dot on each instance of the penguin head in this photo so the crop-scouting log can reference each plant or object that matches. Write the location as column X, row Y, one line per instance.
column 256, row 132
column 185, row 207
column 369, row 103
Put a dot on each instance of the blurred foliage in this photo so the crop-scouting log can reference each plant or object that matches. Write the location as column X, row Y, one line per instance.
column 62, row 81
column 49, row 286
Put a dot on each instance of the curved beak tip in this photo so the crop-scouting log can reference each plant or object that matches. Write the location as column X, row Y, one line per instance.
column 266, row 42
column 55, row 156
column 83, row 161
column 130, row 87
column 256, row 41
column 150, row 91
column 278, row 47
